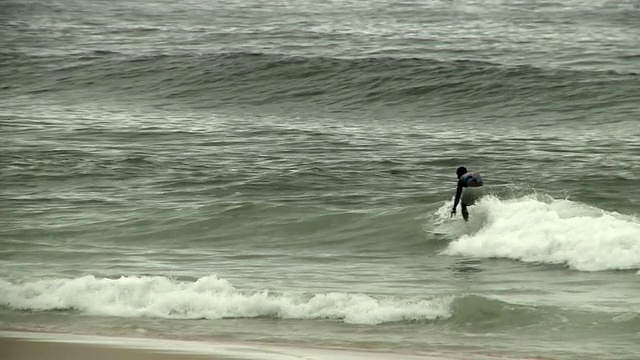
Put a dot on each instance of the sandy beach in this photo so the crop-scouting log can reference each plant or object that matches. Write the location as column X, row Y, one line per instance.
column 33, row 346
column 21, row 349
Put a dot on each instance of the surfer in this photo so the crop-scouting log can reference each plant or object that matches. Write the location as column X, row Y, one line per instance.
column 469, row 190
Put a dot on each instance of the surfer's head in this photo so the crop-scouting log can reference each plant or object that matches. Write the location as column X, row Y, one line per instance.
column 461, row 171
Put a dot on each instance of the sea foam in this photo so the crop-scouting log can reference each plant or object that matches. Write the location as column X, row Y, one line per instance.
column 209, row 297
column 544, row 230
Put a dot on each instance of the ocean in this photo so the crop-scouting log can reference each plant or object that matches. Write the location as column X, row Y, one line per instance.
column 282, row 173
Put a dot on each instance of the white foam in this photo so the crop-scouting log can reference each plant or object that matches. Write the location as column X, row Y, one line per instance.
column 209, row 297
column 541, row 229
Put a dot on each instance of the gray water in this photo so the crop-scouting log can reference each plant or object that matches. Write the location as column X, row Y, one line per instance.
column 283, row 173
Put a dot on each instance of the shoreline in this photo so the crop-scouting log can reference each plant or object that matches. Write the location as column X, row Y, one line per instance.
column 62, row 346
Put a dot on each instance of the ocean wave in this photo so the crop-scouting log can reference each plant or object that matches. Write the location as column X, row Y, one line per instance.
column 336, row 84
column 214, row 298
column 209, row 297
column 540, row 229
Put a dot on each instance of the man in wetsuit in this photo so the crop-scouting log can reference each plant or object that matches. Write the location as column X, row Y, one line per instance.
column 469, row 190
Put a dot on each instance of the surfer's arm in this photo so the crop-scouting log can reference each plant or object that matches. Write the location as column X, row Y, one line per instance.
column 458, row 194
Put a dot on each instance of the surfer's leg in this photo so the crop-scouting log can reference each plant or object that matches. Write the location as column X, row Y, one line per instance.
column 470, row 196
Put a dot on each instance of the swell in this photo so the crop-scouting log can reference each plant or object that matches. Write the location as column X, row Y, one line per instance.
column 336, row 84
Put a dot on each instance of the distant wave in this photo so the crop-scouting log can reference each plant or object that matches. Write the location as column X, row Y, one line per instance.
column 335, row 84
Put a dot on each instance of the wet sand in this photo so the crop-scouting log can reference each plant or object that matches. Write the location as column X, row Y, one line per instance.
column 45, row 346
